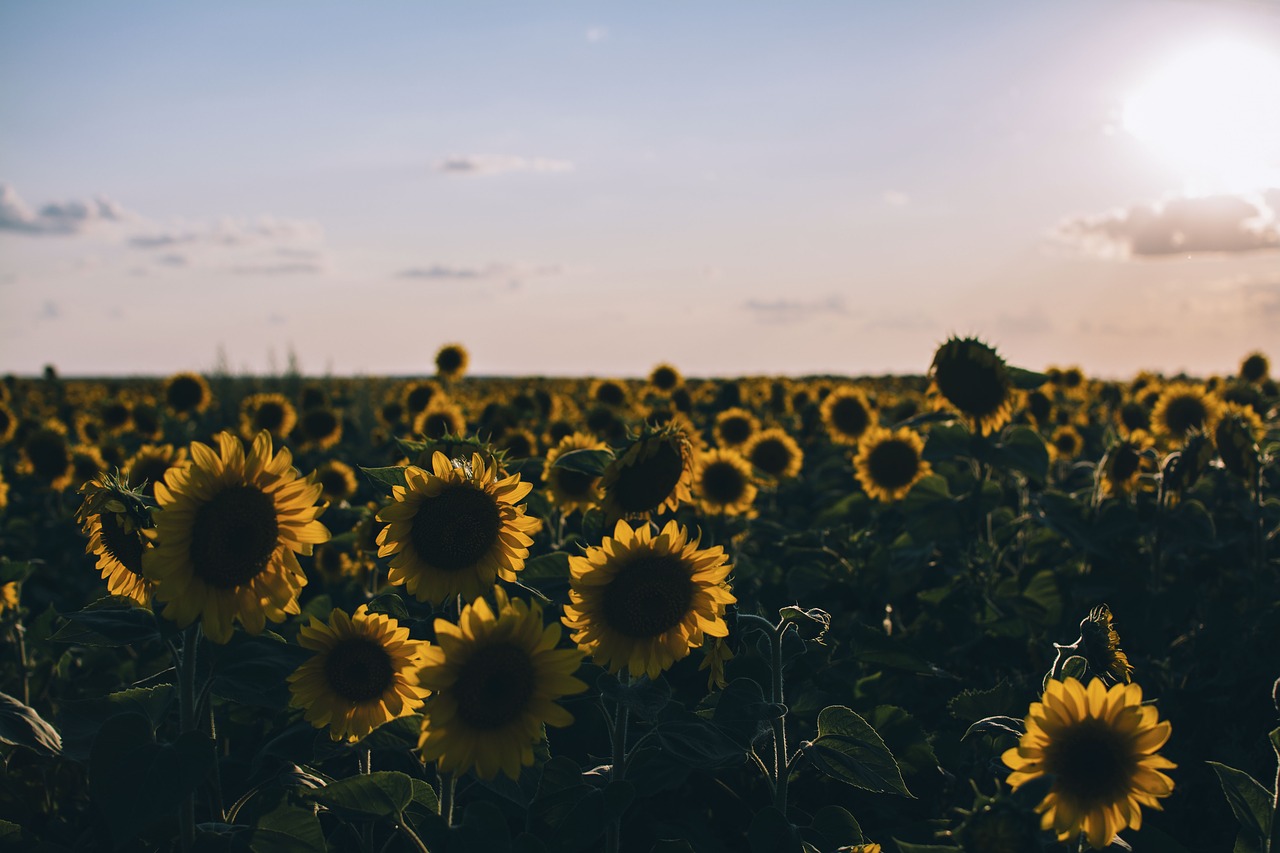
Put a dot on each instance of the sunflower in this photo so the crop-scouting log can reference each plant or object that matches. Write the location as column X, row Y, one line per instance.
column 226, row 533
column 338, row 481
column 775, row 453
column 889, row 463
column 1066, row 443
column 417, row 395
column 847, row 415
column 46, row 455
column 320, row 428
column 1099, row 747
column 455, row 528
column 1183, row 408
column 495, row 677
column 1100, row 643
column 364, row 673
column 1133, row 416
column 113, row 517
column 451, row 361
column 734, row 427
column 1236, row 435
column 272, row 412
column 665, row 378
column 653, row 475
column 724, row 483
column 518, row 444
column 10, row 596
column 644, row 601
column 4, row 493
column 439, row 419
column 1123, row 464
column 570, row 489
column 145, row 468
column 609, row 392
column 8, row 424
column 971, row 378
column 86, row 463
column 187, row 393
column 1255, row 367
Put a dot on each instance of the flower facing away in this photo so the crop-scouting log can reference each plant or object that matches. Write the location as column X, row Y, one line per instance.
column 889, row 463
column 1236, row 435
column 643, row 601
column 653, row 475
column 1122, row 466
column 113, row 517
column 495, row 676
column 569, row 489
column 1100, row 644
column 971, row 378
column 364, row 673
column 454, row 529
column 1100, row 747
column 227, row 531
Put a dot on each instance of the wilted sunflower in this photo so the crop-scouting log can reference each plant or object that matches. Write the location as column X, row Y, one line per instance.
column 847, row 415
column 735, row 427
column 187, row 393
column 724, row 483
column 572, row 490
column 1184, row 408
column 439, row 419
column 364, row 673
column 451, row 361
column 496, row 676
column 889, row 463
column 145, row 468
column 1236, row 435
column 113, row 517
column 775, row 453
column 1255, row 367
column 643, row 601
column 227, row 529
column 1123, row 463
column 653, row 475
column 455, row 528
column 320, row 428
column 46, row 455
column 8, row 424
column 269, row 411
column 1066, row 443
column 971, row 378
column 1100, row 644
column 1099, row 747
column 665, row 378
column 337, row 480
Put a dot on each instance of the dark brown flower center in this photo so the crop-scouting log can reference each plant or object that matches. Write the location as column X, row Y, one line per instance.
column 1124, row 462
column 125, row 547
column 735, row 429
column 184, row 393
column 664, row 379
column 455, row 529
column 233, row 536
column 269, row 416
column 611, row 394
column 418, row 397
column 149, row 470
column 115, row 415
column 358, row 669
column 647, row 482
column 893, row 463
column 1092, row 763
column 1184, row 413
column 449, row 360
column 439, row 424
column 850, row 416
column 771, row 456
column 48, row 452
column 319, row 424
column 722, row 482
column 648, row 595
column 335, row 483
column 972, row 386
column 494, row 686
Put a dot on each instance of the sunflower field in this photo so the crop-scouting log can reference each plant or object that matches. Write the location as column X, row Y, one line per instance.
column 983, row 609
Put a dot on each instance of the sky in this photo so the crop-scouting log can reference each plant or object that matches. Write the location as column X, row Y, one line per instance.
column 591, row 188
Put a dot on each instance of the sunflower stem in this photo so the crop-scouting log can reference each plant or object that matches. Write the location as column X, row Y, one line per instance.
column 448, row 784
column 215, row 785
column 187, row 723
column 409, row 833
column 613, row 833
column 1259, row 526
column 779, row 722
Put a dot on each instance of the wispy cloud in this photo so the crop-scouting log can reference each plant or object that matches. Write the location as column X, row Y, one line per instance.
column 231, row 232
column 794, row 310
column 290, row 268
column 497, row 164
column 1179, row 226
column 485, row 272
column 65, row 217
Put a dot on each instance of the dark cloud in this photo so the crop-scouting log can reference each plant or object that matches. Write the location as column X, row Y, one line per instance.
column 67, row 217
column 1180, row 226
column 496, row 164
column 794, row 310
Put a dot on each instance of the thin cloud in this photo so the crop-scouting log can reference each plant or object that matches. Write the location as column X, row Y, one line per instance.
column 498, row 164
column 794, row 310
column 57, row 218
column 231, row 232
column 1220, row 224
column 292, row 268
column 486, row 272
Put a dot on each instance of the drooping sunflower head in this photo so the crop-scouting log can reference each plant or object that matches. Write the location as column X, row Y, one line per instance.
column 451, row 361
column 1100, row 643
column 1184, row 468
column 1184, row 408
column 364, row 673
column 889, row 463
column 114, row 518
column 337, row 481
column 1124, row 463
column 320, row 428
column 654, row 474
column 440, row 419
column 735, row 426
column 774, row 453
column 46, row 455
column 454, row 528
column 970, row 377
column 1100, row 746
column 847, row 415
column 270, row 411
column 1236, row 435
column 1255, row 367
column 569, row 489
column 187, row 393
column 665, row 378
column 227, row 531
column 496, row 676
column 724, row 483
column 1066, row 443
column 642, row 600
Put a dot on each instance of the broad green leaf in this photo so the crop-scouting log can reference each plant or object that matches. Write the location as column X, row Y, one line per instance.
column 390, row 604
column 20, row 725
column 286, row 826
column 253, row 670
column 110, row 622
column 642, row 697
column 833, row 827
column 80, row 721
column 1252, row 804
column 553, row 566
column 590, row 462
column 381, row 794
column 849, row 749
column 386, row 477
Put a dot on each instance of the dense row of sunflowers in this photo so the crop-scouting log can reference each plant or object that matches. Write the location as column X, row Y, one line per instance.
column 538, row 608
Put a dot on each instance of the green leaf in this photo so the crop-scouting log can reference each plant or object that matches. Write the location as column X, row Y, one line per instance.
column 742, row 712
column 20, row 725
column 252, row 670
column 1074, row 667
column 287, row 826
column 110, row 622
column 771, row 832
column 80, row 721
column 849, row 749
column 584, row 824
column 483, row 829
column 136, row 782
column 930, row 511
column 1252, row 804
column 1025, row 380
column 997, row 725
column 390, row 604
column 13, row 570
column 553, row 566
column 905, row 739
column 1020, row 449
column 834, row 827
column 643, row 697
column 697, row 742
column 559, row 790
column 971, row 705
column 382, row 794
column 386, row 477
column 590, row 462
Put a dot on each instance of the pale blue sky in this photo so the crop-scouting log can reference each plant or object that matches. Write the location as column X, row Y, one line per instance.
column 591, row 188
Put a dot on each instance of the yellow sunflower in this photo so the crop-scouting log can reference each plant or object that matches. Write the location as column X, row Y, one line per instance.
column 439, row 419
column 1183, row 408
column 653, row 475
column 338, row 481
column 889, row 463
column 187, row 393
column 46, row 455
column 847, row 415
column 320, row 428
column 568, row 489
column 609, row 392
column 364, row 673
column 453, row 529
column 1099, row 747
column 228, row 527
column 1123, row 464
column 113, row 517
column 4, row 492
column 643, row 601
column 724, row 483
column 451, row 361
column 734, row 427
column 269, row 411
column 665, row 378
column 1236, row 435
column 1066, row 443
column 972, row 379
column 145, row 468
column 417, row 395
column 775, row 453
column 495, row 677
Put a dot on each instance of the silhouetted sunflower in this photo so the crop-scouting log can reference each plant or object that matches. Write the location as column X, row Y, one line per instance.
column 1255, row 367
column 609, row 392
column 272, row 412
column 724, row 483
column 568, row 489
column 228, row 527
column 972, row 379
column 775, row 453
column 187, row 393
column 1100, row 644
column 419, row 394
column 889, row 463
column 364, row 673
column 145, row 468
column 113, row 517
column 451, row 361
column 653, row 475
column 1236, row 435
column 46, row 455
column 1123, row 464
column 847, row 415
column 495, row 677
column 643, row 601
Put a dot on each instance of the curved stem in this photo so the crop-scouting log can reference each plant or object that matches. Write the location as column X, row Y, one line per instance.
column 779, row 722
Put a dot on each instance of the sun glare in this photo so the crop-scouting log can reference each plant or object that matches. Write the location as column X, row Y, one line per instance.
column 1213, row 115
